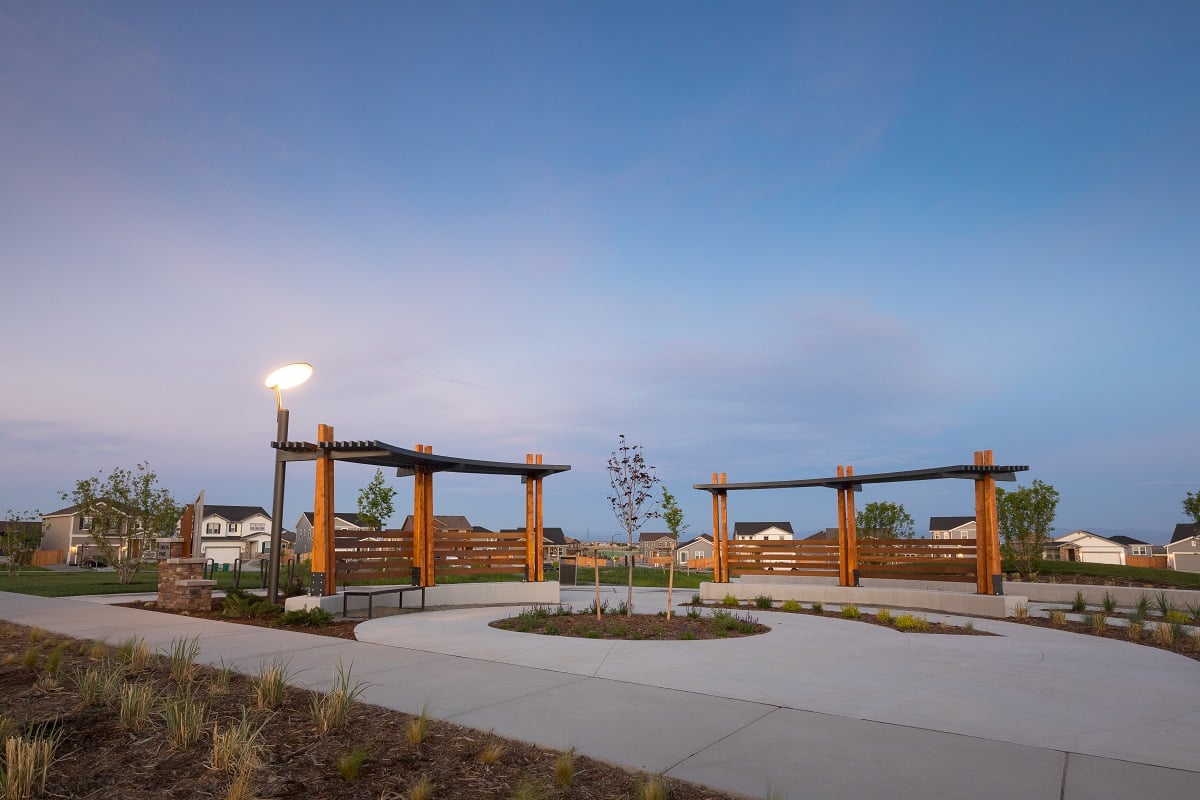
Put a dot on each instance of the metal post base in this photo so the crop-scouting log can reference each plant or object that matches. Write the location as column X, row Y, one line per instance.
column 316, row 587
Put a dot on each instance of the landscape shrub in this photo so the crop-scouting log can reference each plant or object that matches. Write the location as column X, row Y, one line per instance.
column 1078, row 605
column 764, row 601
column 850, row 611
column 307, row 617
column 884, row 616
column 791, row 605
column 908, row 622
column 730, row 601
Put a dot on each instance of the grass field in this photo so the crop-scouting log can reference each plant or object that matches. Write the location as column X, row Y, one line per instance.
column 642, row 576
column 1165, row 577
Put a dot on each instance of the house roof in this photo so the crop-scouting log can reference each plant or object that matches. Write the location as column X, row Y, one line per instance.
column 345, row 516
column 705, row 538
column 948, row 523
column 234, row 513
column 20, row 526
column 653, row 537
column 1185, row 530
column 751, row 528
column 554, row 535
column 1126, row 540
column 827, row 535
column 442, row 522
column 69, row 510
column 1075, row 535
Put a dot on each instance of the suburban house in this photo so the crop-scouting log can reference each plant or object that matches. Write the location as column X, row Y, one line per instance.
column 1142, row 554
column 344, row 521
column 952, row 527
column 69, row 531
column 1085, row 546
column 443, row 522
column 554, row 542
column 1183, row 551
column 229, row 533
column 763, row 531
column 653, row 544
column 697, row 549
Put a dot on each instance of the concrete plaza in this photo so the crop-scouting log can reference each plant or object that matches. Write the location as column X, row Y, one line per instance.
column 817, row 708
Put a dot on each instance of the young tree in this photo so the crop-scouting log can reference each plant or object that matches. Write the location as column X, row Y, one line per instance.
column 1025, row 517
column 1191, row 506
column 884, row 519
column 127, row 511
column 375, row 502
column 632, row 483
column 672, row 514
column 22, row 535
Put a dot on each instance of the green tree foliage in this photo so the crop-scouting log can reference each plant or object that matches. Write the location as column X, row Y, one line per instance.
column 884, row 520
column 127, row 510
column 1191, row 506
column 22, row 535
column 672, row 514
column 375, row 502
column 632, row 499
column 1025, row 517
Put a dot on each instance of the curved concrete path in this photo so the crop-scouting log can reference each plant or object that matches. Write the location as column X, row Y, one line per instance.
column 817, row 708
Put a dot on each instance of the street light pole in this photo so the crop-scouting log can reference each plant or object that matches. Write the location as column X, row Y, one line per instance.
column 283, row 378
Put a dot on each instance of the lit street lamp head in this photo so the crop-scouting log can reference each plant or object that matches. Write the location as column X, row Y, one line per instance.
column 288, row 376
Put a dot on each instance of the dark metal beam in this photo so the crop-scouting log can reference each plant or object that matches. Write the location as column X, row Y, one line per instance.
column 856, row 482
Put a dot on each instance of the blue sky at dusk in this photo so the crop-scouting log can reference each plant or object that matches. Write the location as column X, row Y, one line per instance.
column 764, row 239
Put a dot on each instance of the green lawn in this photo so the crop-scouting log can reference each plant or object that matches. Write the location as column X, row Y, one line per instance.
column 47, row 583
column 642, row 576
column 1158, row 577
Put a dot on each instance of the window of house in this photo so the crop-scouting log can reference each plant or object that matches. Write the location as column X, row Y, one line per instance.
column 683, row 556
column 233, row 526
column 212, row 529
column 258, row 527
column 964, row 534
column 85, row 523
column 1140, row 550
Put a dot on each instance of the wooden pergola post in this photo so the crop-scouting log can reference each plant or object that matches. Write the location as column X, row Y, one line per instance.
column 716, row 529
column 539, row 531
column 851, row 535
column 531, row 567
column 987, row 533
column 418, row 517
column 724, row 503
column 430, row 531
column 843, row 559
column 323, row 543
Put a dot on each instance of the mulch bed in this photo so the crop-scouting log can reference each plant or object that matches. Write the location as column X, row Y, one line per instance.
column 1184, row 647
column 341, row 629
column 636, row 627
column 97, row 758
column 944, row 628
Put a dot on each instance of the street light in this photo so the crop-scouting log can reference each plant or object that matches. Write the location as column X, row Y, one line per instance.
column 285, row 377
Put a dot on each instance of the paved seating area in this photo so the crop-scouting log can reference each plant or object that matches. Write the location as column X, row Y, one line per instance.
column 817, row 708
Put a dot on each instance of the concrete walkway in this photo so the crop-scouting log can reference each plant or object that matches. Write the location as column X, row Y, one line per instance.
column 817, row 708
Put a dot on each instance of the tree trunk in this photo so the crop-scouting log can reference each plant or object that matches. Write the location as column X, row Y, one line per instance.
column 671, row 580
column 629, row 573
column 596, row 572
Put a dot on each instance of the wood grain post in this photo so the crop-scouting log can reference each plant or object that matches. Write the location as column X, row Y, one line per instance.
column 724, row 533
column 843, row 559
column 539, row 528
column 430, row 528
column 851, row 535
column 530, row 503
column 323, row 544
column 418, row 517
column 716, row 530
column 993, row 513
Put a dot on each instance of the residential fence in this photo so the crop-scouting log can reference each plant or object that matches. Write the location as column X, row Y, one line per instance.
column 792, row 556
column 905, row 559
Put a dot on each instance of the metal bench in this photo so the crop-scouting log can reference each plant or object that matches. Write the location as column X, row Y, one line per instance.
column 370, row 593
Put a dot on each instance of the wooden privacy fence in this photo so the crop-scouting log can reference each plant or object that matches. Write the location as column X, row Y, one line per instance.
column 389, row 555
column 382, row 555
column 791, row 557
column 1156, row 562
column 471, row 553
column 42, row 558
column 917, row 559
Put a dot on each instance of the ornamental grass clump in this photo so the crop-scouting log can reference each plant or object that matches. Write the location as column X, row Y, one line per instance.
column 136, row 704
column 1078, row 605
column 883, row 616
column 185, row 717
column 236, row 745
column 729, row 601
column 1098, row 622
column 818, row 608
column 329, row 710
column 764, row 601
column 1058, row 617
column 350, row 764
column 564, row 769
column 850, row 611
column 1021, row 611
column 27, row 761
column 1164, row 604
column 792, row 606
column 184, row 651
column 270, row 684
column 1108, row 603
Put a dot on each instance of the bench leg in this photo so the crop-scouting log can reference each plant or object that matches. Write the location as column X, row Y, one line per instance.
column 370, row 606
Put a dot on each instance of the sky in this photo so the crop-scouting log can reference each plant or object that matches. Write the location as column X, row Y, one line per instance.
column 764, row 239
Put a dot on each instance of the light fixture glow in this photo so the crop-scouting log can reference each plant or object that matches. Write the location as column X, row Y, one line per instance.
column 288, row 376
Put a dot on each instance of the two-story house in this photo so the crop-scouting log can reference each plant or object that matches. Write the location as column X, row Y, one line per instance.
column 342, row 521
column 952, row 527
column 229, row 533
column 1183, row 551
column 695, row 551
column 763, row 531
column 69, row 530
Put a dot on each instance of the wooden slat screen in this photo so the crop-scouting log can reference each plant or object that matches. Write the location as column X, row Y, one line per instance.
column 792, row 557
column 917, row 559
column 374, row 554
column 471, row 553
